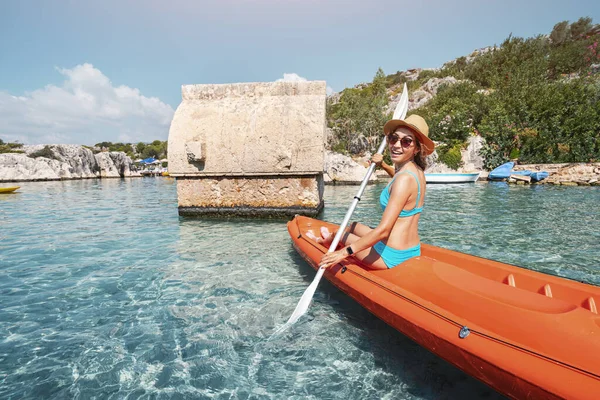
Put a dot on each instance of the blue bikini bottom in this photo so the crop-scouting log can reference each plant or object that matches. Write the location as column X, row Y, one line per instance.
column 392, row 257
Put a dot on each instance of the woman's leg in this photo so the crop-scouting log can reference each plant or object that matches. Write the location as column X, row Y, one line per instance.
column 369, row 257
column 355, row 228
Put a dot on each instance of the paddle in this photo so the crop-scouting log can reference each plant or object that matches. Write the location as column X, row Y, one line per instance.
column 399, row 113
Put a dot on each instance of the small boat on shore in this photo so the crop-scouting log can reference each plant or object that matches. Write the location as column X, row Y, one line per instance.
column 523, row 333
column 502, row 172
column 538, row 176
column 9, row 189
column 452, row 178
column 524, row 172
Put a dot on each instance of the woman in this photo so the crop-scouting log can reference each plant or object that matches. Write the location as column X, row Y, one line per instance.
column 396, row 238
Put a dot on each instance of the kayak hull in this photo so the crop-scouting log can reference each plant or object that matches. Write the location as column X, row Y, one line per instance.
column 522, row 343
column 452, row 178
column 9, row 189
column 539, row 176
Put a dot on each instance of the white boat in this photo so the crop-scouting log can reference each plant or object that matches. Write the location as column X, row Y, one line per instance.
column 452, row 178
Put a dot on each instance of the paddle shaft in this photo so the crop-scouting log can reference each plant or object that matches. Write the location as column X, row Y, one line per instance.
column 306, row 298
column 302, row 305
column 361, row 190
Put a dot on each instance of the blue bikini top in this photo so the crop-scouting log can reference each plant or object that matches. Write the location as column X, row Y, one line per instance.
column 384, row 198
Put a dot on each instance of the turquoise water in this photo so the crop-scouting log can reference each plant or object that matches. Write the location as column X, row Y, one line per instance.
column 105, row 292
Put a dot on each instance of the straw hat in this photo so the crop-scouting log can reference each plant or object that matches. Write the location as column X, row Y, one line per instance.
column 416, row 124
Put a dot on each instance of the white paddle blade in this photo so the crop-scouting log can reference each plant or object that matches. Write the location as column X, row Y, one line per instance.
column 402, row 107
column 306, row 298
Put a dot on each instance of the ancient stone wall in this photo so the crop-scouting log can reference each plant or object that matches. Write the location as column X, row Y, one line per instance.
column 249, row 148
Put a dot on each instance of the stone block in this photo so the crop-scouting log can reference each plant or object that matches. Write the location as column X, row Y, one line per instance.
column 263, row 137
column 250, row 196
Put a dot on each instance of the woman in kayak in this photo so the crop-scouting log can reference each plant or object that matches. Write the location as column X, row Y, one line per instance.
column 396, row 238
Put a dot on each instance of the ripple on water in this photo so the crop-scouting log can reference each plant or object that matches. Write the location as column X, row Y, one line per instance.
column 106, row 292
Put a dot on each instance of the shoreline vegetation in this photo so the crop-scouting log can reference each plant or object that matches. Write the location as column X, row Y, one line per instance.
column 535, row 99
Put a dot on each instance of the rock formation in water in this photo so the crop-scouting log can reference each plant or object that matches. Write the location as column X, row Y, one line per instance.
column 56, row 162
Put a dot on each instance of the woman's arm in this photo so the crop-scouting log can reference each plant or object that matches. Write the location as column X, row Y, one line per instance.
column 400, row 192
column 378, row 160
column 388, row 168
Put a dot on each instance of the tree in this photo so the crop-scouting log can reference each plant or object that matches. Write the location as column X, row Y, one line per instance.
column 560, row 33
column 582, row 26
column 360, row 111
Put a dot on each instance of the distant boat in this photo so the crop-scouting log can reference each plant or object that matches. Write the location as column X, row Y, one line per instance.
column 502, row 172
column 452, row 178
column 8, row 189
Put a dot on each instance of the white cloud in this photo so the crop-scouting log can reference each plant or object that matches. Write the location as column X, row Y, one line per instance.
column 86, row 109
column 293, row 77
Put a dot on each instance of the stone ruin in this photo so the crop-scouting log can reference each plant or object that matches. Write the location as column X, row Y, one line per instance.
column 249, row 149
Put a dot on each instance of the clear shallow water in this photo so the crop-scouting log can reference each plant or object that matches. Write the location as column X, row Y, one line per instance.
column 106, row 293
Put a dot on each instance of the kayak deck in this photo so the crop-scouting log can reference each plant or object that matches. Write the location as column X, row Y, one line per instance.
column 525, row 322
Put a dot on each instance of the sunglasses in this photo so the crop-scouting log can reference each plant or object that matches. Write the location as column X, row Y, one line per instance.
column 404, row 142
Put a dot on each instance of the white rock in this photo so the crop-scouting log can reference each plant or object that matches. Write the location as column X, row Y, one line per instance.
column 423, row 94
column 62, row 162
column 342, row 169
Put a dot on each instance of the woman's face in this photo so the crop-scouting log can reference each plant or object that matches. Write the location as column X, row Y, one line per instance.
column 403, row 145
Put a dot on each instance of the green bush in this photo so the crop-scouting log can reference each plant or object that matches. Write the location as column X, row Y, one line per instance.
column 455, row 111
column 359, row 111
column 450, row 155
column 156, row 149
column 45, row 152
column 10, row 147
column 514, row 154
column 536, row 98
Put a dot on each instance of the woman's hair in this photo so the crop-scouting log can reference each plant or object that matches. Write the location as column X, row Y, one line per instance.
column 420, row 158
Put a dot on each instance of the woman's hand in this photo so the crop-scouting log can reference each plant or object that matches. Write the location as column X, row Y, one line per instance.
column 377, row 159
column 333, row 258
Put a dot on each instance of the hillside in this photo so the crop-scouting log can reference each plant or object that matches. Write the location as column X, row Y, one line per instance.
column 535, row 99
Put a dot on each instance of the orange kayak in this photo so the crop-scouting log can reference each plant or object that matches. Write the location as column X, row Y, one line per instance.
column 523, row 333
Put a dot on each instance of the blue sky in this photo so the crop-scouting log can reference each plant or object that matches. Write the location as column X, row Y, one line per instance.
column 86, row 71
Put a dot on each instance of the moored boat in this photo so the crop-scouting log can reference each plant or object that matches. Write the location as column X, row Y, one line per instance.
column 538, row 176
column 524, row 172
column 524, row 333
column 9, row 189
column 502, row 172
column 452, row 178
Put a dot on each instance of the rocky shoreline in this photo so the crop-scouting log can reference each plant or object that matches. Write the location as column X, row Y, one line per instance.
column 63, row 162
column 570, row 174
